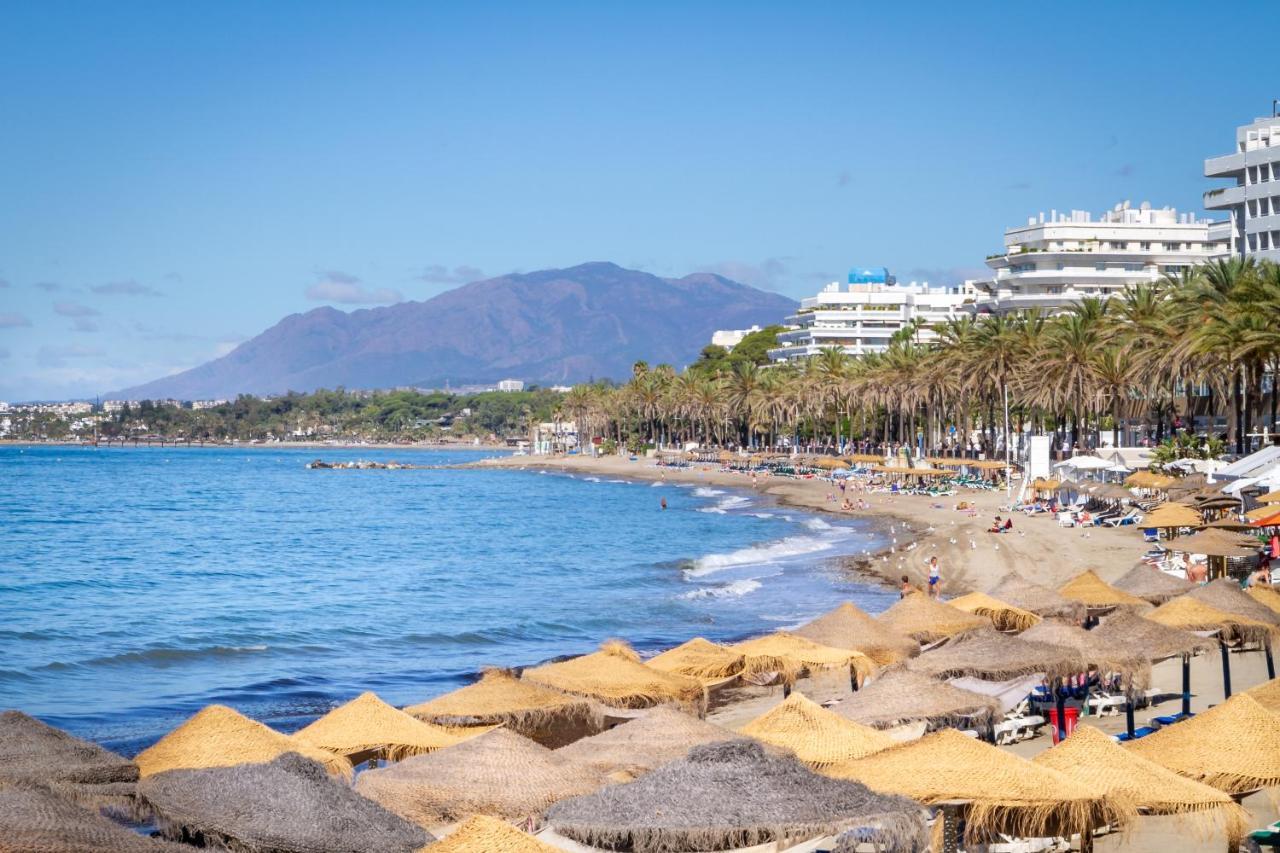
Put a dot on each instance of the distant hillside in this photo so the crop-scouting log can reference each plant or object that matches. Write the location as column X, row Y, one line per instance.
column 549, row 327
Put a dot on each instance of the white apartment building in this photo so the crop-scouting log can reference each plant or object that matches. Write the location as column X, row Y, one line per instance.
column 1055, row 261
column 864, row 315
column 511, row 385
column 1254, row 200
column 730, row 338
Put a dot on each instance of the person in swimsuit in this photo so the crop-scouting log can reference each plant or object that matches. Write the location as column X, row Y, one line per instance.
column 933, row 577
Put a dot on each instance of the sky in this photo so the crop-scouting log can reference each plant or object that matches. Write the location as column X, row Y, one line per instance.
column 177, row 177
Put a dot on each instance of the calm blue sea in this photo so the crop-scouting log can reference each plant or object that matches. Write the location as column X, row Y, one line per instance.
column 138, row 585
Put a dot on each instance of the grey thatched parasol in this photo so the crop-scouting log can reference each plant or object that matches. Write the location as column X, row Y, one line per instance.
column 848, row 627
column 1226, row 595
column 638, row 746
column 1157, row 641
column 33, row 819
column 735, row 794
column 1097, row 652
column 289, row 804
column 994, row 656
column 1020, row 592
column 899, row 696
column 1151, row 584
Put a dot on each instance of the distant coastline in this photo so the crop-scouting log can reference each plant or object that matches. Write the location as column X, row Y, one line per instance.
column 276, row 445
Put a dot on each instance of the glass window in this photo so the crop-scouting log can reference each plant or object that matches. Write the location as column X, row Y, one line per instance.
column 1100, row 266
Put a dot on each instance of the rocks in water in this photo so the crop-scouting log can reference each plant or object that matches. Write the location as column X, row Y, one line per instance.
column 363, row 465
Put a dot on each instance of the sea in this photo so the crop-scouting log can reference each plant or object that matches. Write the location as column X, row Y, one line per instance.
column 138, row 585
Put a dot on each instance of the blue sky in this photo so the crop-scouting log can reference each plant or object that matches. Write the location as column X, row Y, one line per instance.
column 176, row 177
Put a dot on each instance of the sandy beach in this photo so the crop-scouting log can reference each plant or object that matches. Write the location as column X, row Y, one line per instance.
column 969, row 557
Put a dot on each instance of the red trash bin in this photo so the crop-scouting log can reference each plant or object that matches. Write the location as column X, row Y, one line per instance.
column 1072, row 716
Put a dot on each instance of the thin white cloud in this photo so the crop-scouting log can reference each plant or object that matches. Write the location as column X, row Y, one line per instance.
column 346, row 289
column 440, row 274
column 125, row 288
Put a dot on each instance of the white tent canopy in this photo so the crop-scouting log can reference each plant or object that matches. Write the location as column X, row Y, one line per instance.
column 1084, row 463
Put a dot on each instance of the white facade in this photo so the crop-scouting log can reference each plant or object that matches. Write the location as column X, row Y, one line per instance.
column 1254, row 200
column 730, row 338
column 862, row 318
column 511, row 385
column 1053, row 262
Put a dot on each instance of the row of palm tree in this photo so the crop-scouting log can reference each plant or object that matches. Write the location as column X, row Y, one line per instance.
column 1205, row 342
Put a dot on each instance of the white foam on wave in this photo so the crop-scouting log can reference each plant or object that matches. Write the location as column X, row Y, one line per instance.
column 818, row 524
column 783, row 549
column 730, row 503
column 704, row 492
column 763, row 514
column 655, row 485
column 592, row 479
column 624, row 482
column 735, row 589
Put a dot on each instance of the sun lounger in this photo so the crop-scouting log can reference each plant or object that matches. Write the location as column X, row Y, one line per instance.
column 1140, row 732
column 1104, row 704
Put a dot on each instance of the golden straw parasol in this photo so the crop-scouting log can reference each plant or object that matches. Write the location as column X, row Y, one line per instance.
column 218, row 736
column 900, row 696
column 1004, row 616
column 1098, row 652
column 701, row 659
column 1270, row 498
column 848, row 627
column 1171, row 515
column 484, row 834
column 367, row 727
column 993, row 656
column 1096, row 594
column 921, row 618
column 1190, row 614
column 818, row 737
column 615, row 676
column 1014, row 589
column 1267, row 694
column 1234, row 747
column 1265, row 595
column 792, row 656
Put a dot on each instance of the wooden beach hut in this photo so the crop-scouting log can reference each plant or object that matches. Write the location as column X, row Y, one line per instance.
column 289, row 803
column 498, row 698
column 849, row 627
column 483, row 834
column 499, row 774
column 1095, row 761
column 366, row 727
column 615, row 676
column 815, row 735
column 996, row 791
column 928, row 621
column 637, row 746
column 734, row 795
column 1014, row 589
column 218, row 736
column 901, row 696
column 1005, row 616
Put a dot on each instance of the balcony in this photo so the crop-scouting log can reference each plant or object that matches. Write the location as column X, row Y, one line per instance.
column 1224, row 198
column 1227, row 166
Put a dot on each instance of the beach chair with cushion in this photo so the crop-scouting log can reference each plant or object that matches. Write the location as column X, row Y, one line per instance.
column 1130, row 517
column 1268, row 836
column 1066, row 518
column 1150, row 534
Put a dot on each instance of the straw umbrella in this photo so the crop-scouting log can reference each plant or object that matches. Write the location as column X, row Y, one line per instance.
column 1157, row 641
column 1171, row 516
column 900, row 696
column 791, row 656
column 1004, row 616
column 1266, row 596
column 1193, row 614
column 483, row 834
column 993, row 656
column 547, row 716
column 615, row 676
column 366, row 727
column 33, row 819
column 1094, row 760
column 849, row 627
column 1235, row 746
column 701, row 659
column 1220, row 545
column 818, row 737
column 295, row 806
column 732, row 795
column 1227, row 596
column 638, row 746
column 218, row 736
column 1002, row 793
column 921, row 618
column 1097, row 595
column 1267, row 694
column 1040, row 600
column 1270, row 498
column 498, row 773
column 1151, row 585
column 91, row 775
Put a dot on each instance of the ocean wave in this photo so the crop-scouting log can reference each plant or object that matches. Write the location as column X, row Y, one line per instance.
column 763, row 514
column 160, row 656
column 624, row 482
column 592, row 479
column 818, row 524
column 793, row 546
column 704, row 492
column 735, row 589
column 729, row 503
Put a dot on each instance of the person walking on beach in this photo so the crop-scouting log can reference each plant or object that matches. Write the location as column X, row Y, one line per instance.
column 934, row 577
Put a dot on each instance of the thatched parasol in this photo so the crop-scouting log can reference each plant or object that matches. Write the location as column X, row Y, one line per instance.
column 498, row 773
column 33, row 819
column 548, row 716
column 218, row 736
column 1267, row 694
column 1226, row 595
column 1228, row 523
column 993, row 656
column 732, row 795
column 1112, row 492
column 1154, row 639
column 483, row 834
column 1171, row 515
column 637, row 746
column 818, row 737
column 1092, row 759
column 1191, row 614
column 1097, row 652
column 1096, row 594
column 367, row 727
column 1005, row 793
column 1216, row 543
column 1151, row 585
column 615, row 676
column 1234, row 747
column 848, row 627
column 288, row 804
column 863, row 457
column 1014, row 589
column 31, row 751
column 921, row 618
column 1003, row 615
column 1262, row 512
column 1269, row 498
column 701, row 659
column 1266, row 596
column 901, row 696
column 792, row 656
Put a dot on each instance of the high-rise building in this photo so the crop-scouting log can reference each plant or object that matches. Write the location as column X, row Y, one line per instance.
column 1254, row 199
column 863, row 316
column 1053, row 262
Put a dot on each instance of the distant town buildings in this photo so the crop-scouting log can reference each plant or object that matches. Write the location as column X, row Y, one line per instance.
column 1253, row 202
column 511, row 385
column 730, row 338
column 1053, row 262
column 864, row 315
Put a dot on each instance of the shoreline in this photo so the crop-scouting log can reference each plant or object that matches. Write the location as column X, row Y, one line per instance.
column 278, row 445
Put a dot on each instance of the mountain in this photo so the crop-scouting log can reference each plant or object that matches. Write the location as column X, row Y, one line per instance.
column 549, row 327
